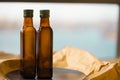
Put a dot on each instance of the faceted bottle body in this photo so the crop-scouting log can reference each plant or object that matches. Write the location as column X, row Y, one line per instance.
column 45, row 53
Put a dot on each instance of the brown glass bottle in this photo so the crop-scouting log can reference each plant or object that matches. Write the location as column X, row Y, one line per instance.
column 28, row 47
column 45, row 47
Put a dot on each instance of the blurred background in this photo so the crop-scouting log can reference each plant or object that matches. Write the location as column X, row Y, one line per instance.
column 92, row 27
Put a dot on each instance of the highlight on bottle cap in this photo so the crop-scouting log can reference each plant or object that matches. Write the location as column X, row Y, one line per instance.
column 44, row 13
column 28, row 13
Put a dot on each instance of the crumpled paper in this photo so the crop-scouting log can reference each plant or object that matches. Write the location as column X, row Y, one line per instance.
column 74, row 58
column 70, row 58
column 81, row 60
column 8, row 62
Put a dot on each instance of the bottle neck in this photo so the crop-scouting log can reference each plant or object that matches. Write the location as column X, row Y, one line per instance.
column 28, row 22
column 44, row 22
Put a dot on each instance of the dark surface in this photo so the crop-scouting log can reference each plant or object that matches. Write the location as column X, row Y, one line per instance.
column 58, row 74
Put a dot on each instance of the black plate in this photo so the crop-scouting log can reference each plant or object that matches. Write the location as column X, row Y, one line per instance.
column 58, row 74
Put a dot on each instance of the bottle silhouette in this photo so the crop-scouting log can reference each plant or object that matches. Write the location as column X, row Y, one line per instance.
column 45, row 47
column 28, row 47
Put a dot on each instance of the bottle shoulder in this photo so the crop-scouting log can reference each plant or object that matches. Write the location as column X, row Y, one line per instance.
column 24, row 29
column 45, row 28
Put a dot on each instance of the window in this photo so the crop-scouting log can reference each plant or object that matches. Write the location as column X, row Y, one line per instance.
column 92, row 27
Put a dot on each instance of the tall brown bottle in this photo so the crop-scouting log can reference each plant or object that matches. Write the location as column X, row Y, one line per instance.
column 28, row 47
column 45, row 47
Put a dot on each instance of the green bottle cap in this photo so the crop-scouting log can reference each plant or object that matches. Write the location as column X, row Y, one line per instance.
column 44, row 13
column 28, row 13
